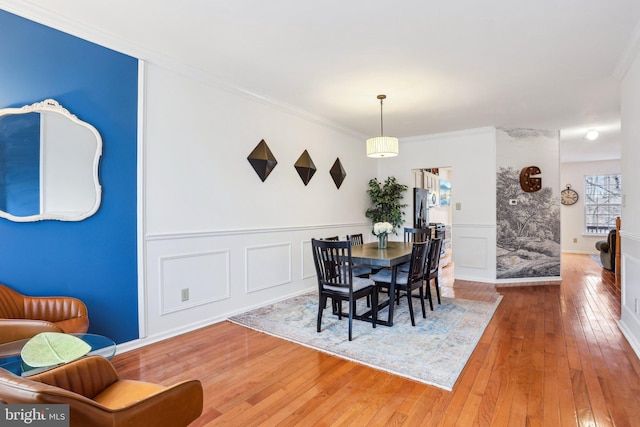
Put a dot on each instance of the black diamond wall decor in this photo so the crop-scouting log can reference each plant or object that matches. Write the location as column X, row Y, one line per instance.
column 262, row 160
column 305, row 167
column 337, row 173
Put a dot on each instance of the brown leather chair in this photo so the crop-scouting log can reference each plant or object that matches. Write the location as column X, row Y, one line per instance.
column 23, row 316
column 97, row 397
column 607, row 250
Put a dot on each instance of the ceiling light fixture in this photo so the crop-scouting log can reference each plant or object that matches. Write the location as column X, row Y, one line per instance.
column 592, row 135
column 382, row 146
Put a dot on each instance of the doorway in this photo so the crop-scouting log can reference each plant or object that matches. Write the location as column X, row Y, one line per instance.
column 435, row 183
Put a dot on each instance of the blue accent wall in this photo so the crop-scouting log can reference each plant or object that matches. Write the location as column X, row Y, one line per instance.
column 95, row 259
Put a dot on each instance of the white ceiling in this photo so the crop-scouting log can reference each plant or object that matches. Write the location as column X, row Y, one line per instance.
column 444, row 66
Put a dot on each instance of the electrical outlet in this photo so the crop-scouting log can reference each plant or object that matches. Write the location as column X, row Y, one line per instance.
column 575, row 240
column 458, row 206
column 513, row 202
column 513, row 260
column 185, row 294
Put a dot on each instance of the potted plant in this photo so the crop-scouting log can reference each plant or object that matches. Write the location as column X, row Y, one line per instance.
column 386, row 199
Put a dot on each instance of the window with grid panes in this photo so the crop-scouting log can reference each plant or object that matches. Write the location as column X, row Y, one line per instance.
column 602, row 202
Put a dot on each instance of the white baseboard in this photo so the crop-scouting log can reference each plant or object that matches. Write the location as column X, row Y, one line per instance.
column 141, row 342
column 627, row 330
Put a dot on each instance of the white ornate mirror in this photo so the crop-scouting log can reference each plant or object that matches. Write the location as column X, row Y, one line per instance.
column 48, row 164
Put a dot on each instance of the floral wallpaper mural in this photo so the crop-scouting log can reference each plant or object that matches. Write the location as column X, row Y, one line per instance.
column 528, row 218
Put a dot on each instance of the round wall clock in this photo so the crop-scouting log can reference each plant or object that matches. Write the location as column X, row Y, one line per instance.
column 568, row 196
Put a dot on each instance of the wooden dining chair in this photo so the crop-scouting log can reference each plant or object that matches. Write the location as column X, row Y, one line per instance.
column 360, row 270
column 410, row 280
column 334, row 269
column 356, row 239
column 412, row 235
column 434, row 266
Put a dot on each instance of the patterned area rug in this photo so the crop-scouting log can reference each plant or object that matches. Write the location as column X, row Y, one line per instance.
column 433, row 352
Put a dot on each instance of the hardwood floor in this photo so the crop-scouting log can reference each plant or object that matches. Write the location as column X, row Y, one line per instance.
column 551, row 356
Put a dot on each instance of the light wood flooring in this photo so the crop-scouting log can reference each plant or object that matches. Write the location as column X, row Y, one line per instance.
column 551, row 356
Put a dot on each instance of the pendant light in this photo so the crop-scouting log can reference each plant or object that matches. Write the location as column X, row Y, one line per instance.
column 382, row 146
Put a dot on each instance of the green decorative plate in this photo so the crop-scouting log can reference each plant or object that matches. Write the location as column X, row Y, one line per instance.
column 52, row 348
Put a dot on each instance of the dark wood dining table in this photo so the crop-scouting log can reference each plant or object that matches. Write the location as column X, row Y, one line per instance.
column 395, row 254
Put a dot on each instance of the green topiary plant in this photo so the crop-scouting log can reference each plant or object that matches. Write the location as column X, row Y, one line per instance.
column 385, row 199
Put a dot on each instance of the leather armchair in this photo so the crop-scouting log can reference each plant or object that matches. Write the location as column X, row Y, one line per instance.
column 23, row 316
column 607, row 250
column 97, row 397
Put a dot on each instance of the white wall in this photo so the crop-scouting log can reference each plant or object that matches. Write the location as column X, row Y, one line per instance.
column 573, row 216
column 211, row 224
column 471, row 155
column 630, row 233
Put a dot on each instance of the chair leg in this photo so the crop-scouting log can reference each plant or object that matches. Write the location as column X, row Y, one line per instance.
column 374, row 307
column 410, row 300
column 437, row 288
column 321, row 306
column 350, row 324
column 424, row 313
column 428, row 295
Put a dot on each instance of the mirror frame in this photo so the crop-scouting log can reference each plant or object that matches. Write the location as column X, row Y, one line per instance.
column 51, row 105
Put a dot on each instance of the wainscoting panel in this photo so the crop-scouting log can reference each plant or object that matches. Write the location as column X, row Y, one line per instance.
column 470, row 247
column 204, row 277
column 267, row 266
column 308, row 266
column 630, row 319
column 474, row 252
column 226, row 272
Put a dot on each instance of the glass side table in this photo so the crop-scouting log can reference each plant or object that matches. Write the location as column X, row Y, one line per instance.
column 11, row 360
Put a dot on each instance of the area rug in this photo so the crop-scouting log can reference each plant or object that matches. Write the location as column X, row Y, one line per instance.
column 433, row 352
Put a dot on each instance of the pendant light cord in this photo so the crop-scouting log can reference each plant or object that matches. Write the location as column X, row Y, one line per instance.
column 381, row 120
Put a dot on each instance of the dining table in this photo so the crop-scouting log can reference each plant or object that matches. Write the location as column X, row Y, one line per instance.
column 395, row 254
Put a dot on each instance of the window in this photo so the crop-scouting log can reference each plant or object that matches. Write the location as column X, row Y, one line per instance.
column 602, row 202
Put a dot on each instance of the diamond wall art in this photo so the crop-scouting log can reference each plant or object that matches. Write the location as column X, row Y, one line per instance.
column 305, row 167
column 262, row 160
column 337, row 173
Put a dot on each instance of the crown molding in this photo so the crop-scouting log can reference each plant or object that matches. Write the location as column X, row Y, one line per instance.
column 629, row 54
column 31, row 11
column 472, row 131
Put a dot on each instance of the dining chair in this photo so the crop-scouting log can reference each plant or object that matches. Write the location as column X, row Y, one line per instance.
column 408, row 281
column 334, row 269
column 434, row 266
column 412, row 235
column 360, row 270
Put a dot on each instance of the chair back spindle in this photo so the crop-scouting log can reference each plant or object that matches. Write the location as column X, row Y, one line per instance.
column 414, row 235
column 356, row 239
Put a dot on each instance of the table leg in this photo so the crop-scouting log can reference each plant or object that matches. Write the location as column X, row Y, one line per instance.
column 389, row 302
